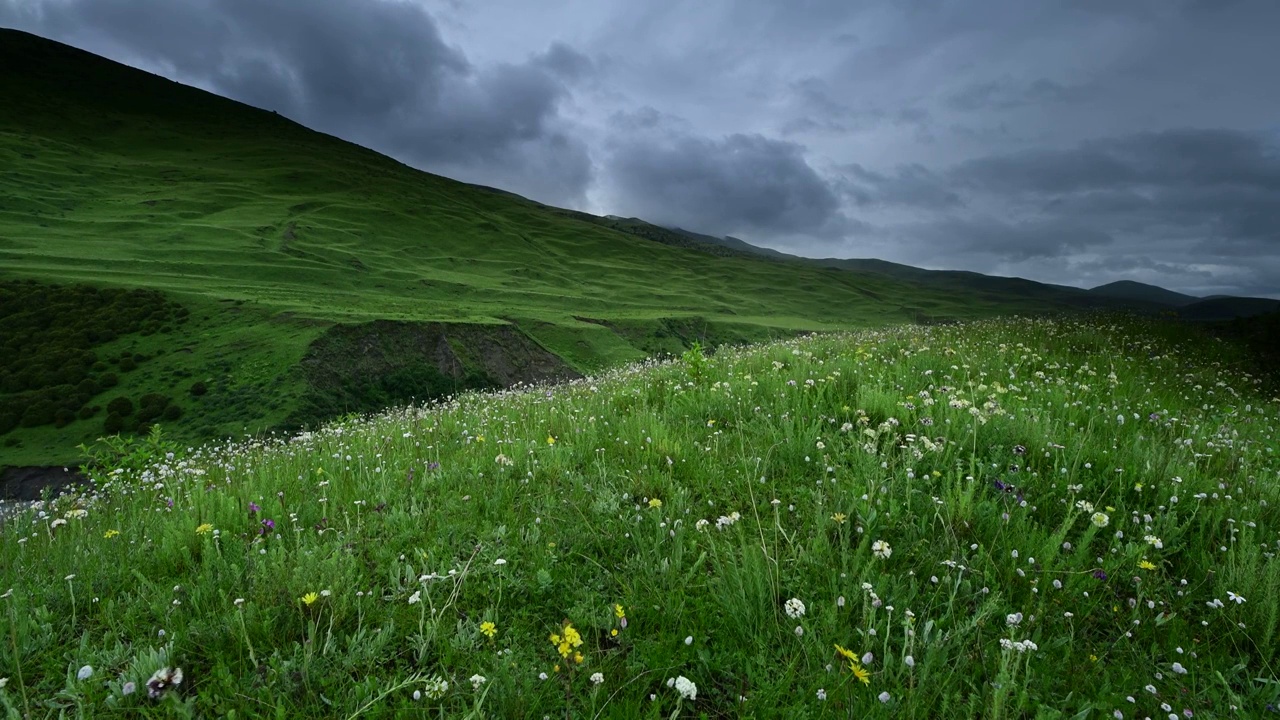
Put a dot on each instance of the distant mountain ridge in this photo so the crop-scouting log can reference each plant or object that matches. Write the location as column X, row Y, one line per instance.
column 1134, row 294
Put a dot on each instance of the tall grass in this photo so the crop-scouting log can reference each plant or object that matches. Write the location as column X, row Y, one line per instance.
column 1001, row 520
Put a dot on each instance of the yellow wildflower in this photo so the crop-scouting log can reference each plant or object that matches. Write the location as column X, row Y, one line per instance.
column 309, row 598
column 577, row 657
column 551, row 440
column 568, row 641
column 489, row 629
column 613, row 632
column 655, row 503
column 110, row 534
column 1147, row 564
column 840, row 517
column 859, row 672
column 479, row 438
column 618, row 611
column 848, row 654
column 204, row 529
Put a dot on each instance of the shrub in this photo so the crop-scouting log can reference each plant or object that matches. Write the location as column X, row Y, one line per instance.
column 88, row 411
column 128, row 364
column 40, row 413
column 109, row 380
column 198, row 388
column 113, row 424
column 121, row 406
column 63, row 417
column 173, row 412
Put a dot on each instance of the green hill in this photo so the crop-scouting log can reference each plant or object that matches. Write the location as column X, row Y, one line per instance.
column 258, row 244
column 1130, row 290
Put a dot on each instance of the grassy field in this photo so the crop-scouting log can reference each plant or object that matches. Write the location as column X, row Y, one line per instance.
column 268, row 234
column 1002, row 519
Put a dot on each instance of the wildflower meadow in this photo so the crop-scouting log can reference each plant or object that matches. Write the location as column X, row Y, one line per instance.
column 1071, row 518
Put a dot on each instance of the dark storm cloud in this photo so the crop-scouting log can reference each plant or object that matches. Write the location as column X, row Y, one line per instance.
column 377, row 72
column 908, row 185
column 736, row 184
column 1220, row 187
column 1007, row 93
column 1173, row 158
column 992, row 238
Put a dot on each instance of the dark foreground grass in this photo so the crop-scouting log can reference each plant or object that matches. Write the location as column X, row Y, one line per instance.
column 999, row 520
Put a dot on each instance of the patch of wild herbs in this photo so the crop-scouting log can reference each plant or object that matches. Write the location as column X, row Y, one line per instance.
column 997, row 520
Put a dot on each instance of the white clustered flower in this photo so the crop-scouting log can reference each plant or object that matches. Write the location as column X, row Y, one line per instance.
column 597, row 678
column 477, row 680
column 822, row 694
column 686, row 688
column 881, row 549
column 794, row 608
column 416, row 597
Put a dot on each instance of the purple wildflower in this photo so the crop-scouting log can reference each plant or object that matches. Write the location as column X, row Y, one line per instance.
column 1100, row 574
column 267, row 526
column 253, row 508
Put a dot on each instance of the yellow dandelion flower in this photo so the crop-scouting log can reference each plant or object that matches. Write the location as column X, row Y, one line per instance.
column 110, row 534
column 655, row 503
column 1147, row 564
column 859, row 672
column 848, row 654
column 309, row 598
column 840, row 518
column 204, row 529
column 489, row 629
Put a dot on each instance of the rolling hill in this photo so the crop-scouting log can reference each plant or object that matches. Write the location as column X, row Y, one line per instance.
column 287, row 276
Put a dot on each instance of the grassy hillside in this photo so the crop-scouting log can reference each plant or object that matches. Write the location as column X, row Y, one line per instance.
column 263, row 235
column 993, row 520
column 1130, row 290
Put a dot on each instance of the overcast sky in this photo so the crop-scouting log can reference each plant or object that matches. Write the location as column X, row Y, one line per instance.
column 1071, row 141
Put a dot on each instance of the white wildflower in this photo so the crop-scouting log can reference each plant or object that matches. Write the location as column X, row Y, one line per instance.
column 794, row 608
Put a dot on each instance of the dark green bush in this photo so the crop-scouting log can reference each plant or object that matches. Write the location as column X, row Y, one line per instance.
column 121, row 406
column 88, row 411
column 39, row 413
column 198, row 388
column 173, row 412
column 113, row 424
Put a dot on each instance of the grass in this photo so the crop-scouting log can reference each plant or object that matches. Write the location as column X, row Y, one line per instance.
column 269, row 234
column 1001, row 519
